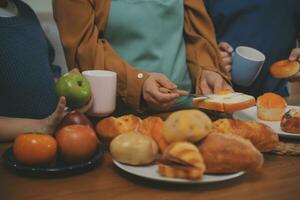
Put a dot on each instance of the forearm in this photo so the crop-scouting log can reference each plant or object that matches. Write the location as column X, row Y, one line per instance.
column 10, row 128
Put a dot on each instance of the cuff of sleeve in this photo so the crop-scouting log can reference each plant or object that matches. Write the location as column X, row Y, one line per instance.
column 135, row 82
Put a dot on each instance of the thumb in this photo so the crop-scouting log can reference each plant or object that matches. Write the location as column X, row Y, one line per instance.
column 224, row 46
column 295, row 54
column 165, row 82
column 218, row 85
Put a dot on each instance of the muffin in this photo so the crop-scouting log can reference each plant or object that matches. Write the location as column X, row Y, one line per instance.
column 270, row 107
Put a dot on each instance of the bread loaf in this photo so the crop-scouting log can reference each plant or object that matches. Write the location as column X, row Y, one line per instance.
column 261, row 135
column 186, row 125
column 134, row 148
column 111, row 127
column 228, row 153
column 284, row 68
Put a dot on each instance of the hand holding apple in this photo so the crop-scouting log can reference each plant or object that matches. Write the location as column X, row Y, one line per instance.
column 75, row 87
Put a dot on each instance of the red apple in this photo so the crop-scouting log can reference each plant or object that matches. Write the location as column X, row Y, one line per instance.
column 76, row 143
column 74, row 117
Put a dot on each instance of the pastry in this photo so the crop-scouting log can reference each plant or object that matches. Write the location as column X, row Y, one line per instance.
column 182, row 160
column 186, row 125
column 225, row 102
column 111, row 127
column 270, row 107
column 228, row 153
column 152, row 126
column 290, row 121
column 284, row 68
column 262, row 136
column 134, row 148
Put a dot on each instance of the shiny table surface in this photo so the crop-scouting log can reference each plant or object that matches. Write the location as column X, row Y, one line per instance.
column 279, row 178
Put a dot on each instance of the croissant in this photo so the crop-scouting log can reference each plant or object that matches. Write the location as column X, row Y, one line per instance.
column 261, row 135
column 290, row 122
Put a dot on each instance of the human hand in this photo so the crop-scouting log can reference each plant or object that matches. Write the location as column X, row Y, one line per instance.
column 226, row 58
column 55, row 118
column 212, row 82
column 156, row 99
column 295, row 56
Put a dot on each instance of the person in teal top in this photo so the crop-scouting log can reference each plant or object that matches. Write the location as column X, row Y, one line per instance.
column 149, row 44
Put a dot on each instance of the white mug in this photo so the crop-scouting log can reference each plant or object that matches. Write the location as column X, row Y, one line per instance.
column 246, row 65
column 104, row 88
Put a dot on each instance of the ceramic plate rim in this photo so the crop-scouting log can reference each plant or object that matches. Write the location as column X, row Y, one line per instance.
column 203, row 180
column 269, row 123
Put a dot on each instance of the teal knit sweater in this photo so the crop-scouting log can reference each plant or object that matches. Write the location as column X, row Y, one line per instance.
column 27, row 87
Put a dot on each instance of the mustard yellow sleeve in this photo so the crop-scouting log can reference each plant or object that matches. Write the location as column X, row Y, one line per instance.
column 80, row 24
column 201, row 47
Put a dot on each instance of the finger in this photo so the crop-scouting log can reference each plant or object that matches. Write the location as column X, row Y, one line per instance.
column 224, row 54
column 75, row 70
column 86, row 107
column 227, row 61
column 228, row 68
column 295, row 55
column 218, row 84
column 60, row 108
column 205, row 89
column 225, row 47
column 227, row 86
column 165, row 82
column 162, row 97
column 295, row 78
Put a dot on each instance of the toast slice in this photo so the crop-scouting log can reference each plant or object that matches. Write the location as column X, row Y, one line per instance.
column 230, row 102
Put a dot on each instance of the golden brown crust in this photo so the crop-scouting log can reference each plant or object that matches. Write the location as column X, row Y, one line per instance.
column 225, row 103
column 228, row 153
column 111, row 127
column 290, row 122
column 262, row 136
column 284, row 68
column 182, row 160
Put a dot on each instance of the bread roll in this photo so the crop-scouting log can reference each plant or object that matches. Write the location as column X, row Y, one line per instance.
column 111, row 127
column 182, row 160
column 284, row 68
column 134, row 148
column 186, row 125
column 262, row 136
column 228, row 153
column 270, row 107
column 225, row 102
column 290, row 121
column 152, row 126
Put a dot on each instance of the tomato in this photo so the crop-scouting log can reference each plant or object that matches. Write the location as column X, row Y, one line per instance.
column 76, row 143
column 34, row 148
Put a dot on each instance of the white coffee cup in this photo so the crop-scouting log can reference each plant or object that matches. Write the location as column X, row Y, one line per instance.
column 246, row 65
column 104, row 88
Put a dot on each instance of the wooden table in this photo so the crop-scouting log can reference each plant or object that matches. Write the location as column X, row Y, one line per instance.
column 279, row 178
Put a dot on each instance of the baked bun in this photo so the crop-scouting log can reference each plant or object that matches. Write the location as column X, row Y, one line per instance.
column 284, row 68
column 227, row 153
column 290, row 121
column 182, row 160
column 186, row 125
column 152, row 126
column 225, row 102
column 262, row 136
column 134, row 148
column 270, row 107
column 111, row 127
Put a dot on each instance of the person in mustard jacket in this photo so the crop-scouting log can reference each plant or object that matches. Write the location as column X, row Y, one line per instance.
column 149, row 44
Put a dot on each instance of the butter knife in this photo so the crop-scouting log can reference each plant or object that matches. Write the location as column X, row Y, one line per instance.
column 181, row 93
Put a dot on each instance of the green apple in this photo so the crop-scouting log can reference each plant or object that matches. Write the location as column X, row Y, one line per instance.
column 75, row 87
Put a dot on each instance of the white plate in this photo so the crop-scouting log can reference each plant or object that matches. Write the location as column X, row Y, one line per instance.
column 250, row 114
column 151, row 172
